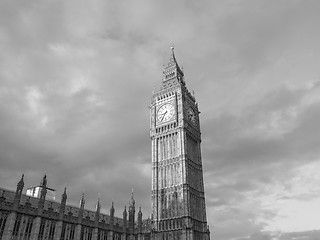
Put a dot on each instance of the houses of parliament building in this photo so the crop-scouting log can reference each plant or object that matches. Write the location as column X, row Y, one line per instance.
column 177, row 194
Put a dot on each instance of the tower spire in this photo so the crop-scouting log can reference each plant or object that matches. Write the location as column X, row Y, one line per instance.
column 132, row 211
column 172, row 72
column 43, row 193
column 81, row 210
column 63, row 203
column 18, row 194
column 112, row 215
column 82, row 201
column 96, row 220
column 132, row 201
column 98, row 207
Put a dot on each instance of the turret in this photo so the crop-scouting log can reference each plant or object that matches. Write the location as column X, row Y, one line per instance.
column 112, row 215
column 125, row 219
column 81, row 210
column 18, row 194
column 132, row 213
column 140, row 220
column 43, row 187
column 97, row 214
column 63, row 204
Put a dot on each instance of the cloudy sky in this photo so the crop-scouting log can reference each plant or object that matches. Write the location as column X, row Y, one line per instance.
column 76, row 78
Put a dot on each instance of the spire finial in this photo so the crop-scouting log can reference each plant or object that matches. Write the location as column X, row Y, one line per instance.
column 98, row 203
column 82, row 201
column 44, row 180
column 64, row 194
column 132, row 202
column 21, row 180
column 172, row 47
column 99, row 199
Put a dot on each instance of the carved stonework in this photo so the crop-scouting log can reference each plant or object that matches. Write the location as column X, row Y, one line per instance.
column 177, row 176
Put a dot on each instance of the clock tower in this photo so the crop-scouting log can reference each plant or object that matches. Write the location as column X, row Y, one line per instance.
column 178, row 201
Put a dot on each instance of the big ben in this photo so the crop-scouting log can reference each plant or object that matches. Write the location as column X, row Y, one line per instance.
column 178, row 199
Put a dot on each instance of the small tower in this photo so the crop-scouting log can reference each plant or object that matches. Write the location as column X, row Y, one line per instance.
column 63, row 203
column 43, row 193
column 125, row 219
column 18, row 194
column 132, row 212
column 140, row 220
column 81, row 210
column 97, row 214
column 112, row 215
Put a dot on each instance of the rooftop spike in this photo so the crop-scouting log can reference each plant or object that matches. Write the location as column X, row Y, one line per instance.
column 21, row 182
column 82, row 201
column 98, row 204
column 125, row 212
column 112, row 210
column 64, row 196
column 132, row 202
column 44, row 181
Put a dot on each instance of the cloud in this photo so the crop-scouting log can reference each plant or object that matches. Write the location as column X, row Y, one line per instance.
column 76, row 80
column 257, row 160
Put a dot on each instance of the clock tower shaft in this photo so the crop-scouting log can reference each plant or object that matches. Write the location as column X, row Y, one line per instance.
column 178, row 199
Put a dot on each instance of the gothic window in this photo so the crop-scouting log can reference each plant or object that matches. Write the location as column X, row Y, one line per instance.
column 41, row 229
column 3, row 220
column 82, row 233
column 63, row 231
column 51, row 231
column 28, row 228
column 16, row 227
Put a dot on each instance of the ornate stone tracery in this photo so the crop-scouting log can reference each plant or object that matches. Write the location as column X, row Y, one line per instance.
column 178, row 203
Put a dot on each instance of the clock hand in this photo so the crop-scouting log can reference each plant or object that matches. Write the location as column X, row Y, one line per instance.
column 163, row 115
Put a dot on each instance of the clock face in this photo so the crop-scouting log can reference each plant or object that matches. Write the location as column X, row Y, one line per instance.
column 165, row 113
column 191, row 116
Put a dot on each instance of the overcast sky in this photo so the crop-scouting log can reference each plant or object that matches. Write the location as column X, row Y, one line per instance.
column 76, row 78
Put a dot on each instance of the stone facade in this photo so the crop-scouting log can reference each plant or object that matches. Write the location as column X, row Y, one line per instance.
column 27, row 218
column 178, row 201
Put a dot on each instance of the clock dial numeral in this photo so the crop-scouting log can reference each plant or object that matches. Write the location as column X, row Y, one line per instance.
column 165, row 113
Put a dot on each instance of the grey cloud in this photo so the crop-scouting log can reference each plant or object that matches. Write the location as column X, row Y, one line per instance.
column 305, row 235
column 259, row 31
column 118, row 49
column 239, row 163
